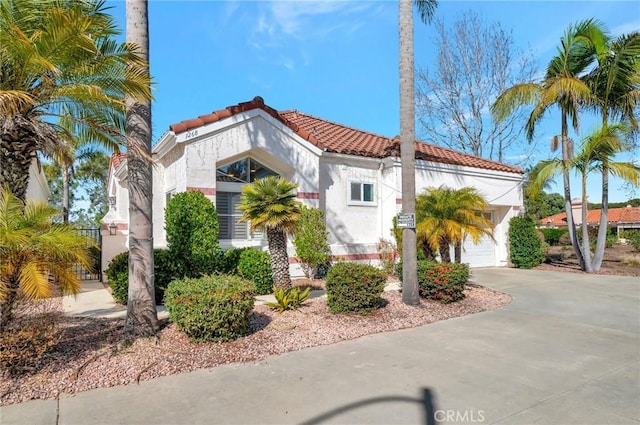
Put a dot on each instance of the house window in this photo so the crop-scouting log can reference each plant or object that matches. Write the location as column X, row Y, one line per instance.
column 361, row 193
column 230, row 226
column 246, row 170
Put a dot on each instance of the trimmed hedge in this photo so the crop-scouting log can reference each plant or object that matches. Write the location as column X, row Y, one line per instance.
column 552, row 236
column 354, row 288
column 165, row 268
column 191, row 222
column 255, row 265
column 230, row 260
column 524, row 245
column 211, row 308
column 442, row 282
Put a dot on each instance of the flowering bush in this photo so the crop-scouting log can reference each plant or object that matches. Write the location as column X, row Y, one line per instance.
column 442, row 282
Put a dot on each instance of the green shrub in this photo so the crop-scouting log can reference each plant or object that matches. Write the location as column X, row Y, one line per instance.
column 524, row 245
column 354, row 288
column 633, row 238
column 442, row 282
column 310, row 240
column 288, row 299
column 231, row 259
column 552, row 236
column 191, row 223
column 165, row 269
column 211, row 308
column 118, row 277
column 565, row 239
column 255, row 265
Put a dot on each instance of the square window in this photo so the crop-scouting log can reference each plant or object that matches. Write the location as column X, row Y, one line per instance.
column 361, row 193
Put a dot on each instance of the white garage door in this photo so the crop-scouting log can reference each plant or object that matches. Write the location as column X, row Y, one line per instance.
column 481, row 255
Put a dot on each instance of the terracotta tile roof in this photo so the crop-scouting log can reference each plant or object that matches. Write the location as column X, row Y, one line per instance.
column 338, row 138
column 114, row 162
column 616, row 215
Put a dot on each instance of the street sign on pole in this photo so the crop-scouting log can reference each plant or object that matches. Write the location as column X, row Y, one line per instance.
column 406, row 221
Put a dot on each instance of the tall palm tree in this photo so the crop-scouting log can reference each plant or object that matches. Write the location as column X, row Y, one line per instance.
column 426, row 8
column 58, row 60
column 36, row 254
column 561, row 87
column 447, row 216
column 269, row 204
column 142, row 317
column 596, row 154
column 615, row 82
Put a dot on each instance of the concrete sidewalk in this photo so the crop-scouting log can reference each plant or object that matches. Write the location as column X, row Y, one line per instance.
column 565, row 351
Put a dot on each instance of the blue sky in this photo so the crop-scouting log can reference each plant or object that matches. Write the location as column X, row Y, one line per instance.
column 334, row 60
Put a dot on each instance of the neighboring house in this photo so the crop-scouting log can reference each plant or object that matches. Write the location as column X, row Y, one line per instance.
column 626, row 218
column 354, row 176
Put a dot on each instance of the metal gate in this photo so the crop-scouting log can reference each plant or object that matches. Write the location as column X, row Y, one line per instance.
column 95, row 252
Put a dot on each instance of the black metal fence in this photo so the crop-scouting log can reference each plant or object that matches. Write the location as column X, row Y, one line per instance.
column 95, row 250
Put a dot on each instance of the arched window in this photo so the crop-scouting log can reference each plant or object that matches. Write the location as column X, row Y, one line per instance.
column 230, row 179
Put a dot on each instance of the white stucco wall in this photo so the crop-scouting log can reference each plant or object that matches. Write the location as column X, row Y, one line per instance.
column 37, row 188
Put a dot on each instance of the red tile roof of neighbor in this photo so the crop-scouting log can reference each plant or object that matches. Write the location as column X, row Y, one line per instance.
column 615, row 215
column 338, row 138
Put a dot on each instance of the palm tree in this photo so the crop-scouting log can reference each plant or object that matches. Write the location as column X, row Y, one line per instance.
column 58, row 61
column 269, row 204
column 447, row 216
column 142, row 317
column 615, row 83
column 596, row 153
column 36, row 254
column 426, row 8
column 561, row 87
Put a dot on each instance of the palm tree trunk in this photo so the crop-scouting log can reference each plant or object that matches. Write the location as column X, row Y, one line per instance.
column 567, row 192
column 445, row 250
column 457, row 251
column 142, row 317
column 279, row 258
column 604, row 219
column 66, row 175
column 7, row 302
column 410, row 294
column 586, row 244
column 16, row 150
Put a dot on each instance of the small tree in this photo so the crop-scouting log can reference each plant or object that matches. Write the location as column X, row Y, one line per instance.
column 192, row 233
column 269, row 203
column 524, row 245
column 37, row 255
column 310, row 240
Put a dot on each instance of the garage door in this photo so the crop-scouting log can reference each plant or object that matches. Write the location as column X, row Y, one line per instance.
column 481, row 255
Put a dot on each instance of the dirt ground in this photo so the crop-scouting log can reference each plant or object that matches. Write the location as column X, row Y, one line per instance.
column 622, row 260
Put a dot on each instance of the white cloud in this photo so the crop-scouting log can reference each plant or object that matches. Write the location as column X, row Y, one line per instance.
column 625, row 28
column 297, row 25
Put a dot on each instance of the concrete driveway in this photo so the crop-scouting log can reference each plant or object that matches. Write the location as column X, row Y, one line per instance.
column 565, row 351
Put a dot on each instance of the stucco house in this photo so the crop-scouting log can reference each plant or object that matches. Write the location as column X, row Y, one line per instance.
column 354, row 176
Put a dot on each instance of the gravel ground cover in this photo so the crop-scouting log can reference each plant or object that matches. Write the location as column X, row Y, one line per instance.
column 94, row 353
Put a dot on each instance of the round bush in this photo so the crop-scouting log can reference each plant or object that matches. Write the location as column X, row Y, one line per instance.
column 166, row 269
column 255, row 265
column 442, row 282
column 211, row 308
column 354, row 288
column 118, row 277
column 231, row 259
